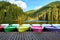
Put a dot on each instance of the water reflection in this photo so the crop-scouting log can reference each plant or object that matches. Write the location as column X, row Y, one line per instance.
column 40, row 21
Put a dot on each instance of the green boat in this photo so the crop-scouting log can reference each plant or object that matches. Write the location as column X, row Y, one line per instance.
column 10, row 28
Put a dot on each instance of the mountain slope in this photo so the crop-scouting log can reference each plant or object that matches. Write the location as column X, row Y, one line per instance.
column 9, row 12
column 49, row 12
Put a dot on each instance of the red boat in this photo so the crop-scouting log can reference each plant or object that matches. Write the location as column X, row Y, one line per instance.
column 1, row 28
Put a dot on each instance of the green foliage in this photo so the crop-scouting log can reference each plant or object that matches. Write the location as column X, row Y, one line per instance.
column 9, row 12
column 48, row 15
column 30, row 13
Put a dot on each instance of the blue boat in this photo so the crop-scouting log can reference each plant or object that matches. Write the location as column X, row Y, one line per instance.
column 52, row 28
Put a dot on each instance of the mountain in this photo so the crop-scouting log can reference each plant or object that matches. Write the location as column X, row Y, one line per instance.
column 30, row 11
column 49, row 12
column 9, row 12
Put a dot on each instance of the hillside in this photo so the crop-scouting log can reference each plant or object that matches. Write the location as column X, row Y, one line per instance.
column 49, row 12
column 9, row 12
column 46, row 7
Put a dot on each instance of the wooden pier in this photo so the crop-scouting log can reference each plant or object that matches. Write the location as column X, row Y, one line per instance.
column 29, row 36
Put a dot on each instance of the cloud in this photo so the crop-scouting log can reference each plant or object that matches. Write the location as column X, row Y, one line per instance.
column 19, row 3
column 37, row 7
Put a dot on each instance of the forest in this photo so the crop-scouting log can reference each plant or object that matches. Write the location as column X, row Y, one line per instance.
column 48, row 14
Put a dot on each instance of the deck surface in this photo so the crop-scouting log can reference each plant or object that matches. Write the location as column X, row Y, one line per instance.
column 29, row 36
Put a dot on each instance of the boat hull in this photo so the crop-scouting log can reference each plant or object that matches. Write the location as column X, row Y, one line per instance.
column 36, row 28
column 10, row 29
column 1, row 28
column 23, row 28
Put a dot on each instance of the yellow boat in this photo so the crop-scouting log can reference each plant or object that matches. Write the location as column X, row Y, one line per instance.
column 23, row 27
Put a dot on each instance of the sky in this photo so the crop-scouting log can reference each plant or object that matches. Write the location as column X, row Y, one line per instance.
column 30, row 4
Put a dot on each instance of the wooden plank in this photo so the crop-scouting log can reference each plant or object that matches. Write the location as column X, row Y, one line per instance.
column 29, row 36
